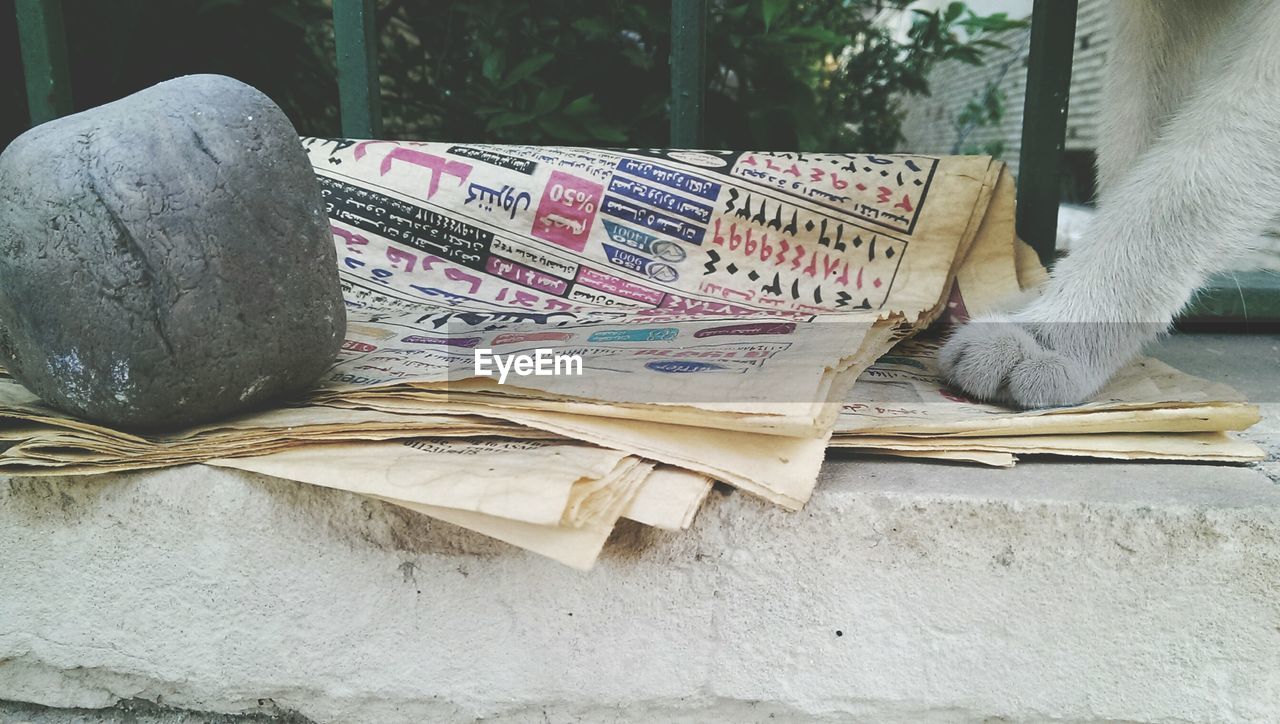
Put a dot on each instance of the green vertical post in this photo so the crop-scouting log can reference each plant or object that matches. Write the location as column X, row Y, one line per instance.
column 355, row 36
column 44, row 59
column 688, row 72
column 1044, row 123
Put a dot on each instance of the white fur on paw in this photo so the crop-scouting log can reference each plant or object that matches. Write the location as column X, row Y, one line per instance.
column 998, row 360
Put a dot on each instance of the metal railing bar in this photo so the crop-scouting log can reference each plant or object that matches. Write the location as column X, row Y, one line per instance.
column 43, row 38
column 688, row 72
column 1044, row 123
column 355, row 36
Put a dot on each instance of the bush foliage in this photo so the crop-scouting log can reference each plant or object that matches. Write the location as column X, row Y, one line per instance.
column 784, row 74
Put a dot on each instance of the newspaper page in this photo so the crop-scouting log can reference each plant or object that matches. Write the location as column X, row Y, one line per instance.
column 669, row 498
column 1217, row 447
column 560, row 500
column 40, row 440
column 698, row 279
column 987, row 280
column 903, row 393
column 531, row 481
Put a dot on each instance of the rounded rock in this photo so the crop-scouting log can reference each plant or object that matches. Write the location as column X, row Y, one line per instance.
column 166, row 259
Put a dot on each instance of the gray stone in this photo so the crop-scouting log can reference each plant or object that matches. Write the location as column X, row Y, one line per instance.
column 165, row 259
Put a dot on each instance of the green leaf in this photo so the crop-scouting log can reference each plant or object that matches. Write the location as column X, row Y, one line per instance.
column 526, row 68
column 993, row 23
column 581, row 105
column 966, row 55
column 491, row 68
column 492, row 65
column 504, row 120
column 548, row 100
column 820, row 35
column 770, row 10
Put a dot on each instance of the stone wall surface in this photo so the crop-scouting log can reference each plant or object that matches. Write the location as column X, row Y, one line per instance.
column 904, row 592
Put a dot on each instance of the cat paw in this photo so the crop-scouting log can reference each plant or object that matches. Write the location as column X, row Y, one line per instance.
column 999, row 360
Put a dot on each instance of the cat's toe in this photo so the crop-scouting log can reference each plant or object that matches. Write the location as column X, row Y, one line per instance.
column 999, row 360
column 981, row 355
column 1047, row 379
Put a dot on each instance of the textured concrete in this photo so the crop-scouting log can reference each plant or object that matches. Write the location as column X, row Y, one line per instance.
column 903, row 593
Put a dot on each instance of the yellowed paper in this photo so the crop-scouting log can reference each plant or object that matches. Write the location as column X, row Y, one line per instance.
column 573, row 546
column 979, row 457
column 669, row 498
column 1189, row 446
column 536, row 482
column 904, row 394
column 987, row 279
column 559, row 500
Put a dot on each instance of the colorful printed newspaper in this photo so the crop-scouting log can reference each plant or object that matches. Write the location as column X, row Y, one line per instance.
column 719, row 305
column 729, row 284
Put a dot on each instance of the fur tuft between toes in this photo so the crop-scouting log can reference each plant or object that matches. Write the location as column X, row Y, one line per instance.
column 999, row 360
column 1046, row 379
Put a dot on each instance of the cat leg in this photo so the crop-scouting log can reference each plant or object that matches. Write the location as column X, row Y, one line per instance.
column 1201, row 191
column 1158, row 49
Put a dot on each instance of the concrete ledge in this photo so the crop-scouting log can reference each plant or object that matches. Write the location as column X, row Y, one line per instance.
column 903, row 592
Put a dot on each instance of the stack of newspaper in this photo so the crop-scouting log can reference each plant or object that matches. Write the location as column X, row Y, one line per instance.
column 542, row 341
column 1149, row 411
